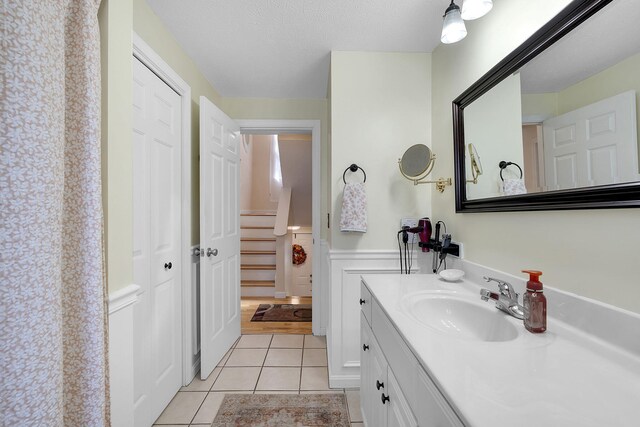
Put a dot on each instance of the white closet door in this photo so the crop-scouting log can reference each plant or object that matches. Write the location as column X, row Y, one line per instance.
column 593, row 145
column 156, row 242
column 219, row 235
column 302, row 273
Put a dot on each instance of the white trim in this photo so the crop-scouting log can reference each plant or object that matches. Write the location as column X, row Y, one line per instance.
column 364, row 255
column 159, row 67
column 280, row 295
column 123, row 298
column 293, row 126
column 121, row 355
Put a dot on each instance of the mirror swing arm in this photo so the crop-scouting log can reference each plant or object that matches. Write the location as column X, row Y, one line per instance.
column 441, row 183
column 622, row 195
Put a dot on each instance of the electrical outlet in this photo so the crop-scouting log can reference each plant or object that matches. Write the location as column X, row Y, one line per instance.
column 461, row 256
column 410, row 222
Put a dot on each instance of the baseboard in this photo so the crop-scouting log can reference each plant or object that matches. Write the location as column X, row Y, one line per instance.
column 344, row 381
column 280, row 295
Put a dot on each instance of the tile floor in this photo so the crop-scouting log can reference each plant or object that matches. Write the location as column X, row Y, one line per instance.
column 263, row 363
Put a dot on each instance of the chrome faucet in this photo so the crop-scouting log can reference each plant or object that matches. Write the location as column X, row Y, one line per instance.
column 506, row 300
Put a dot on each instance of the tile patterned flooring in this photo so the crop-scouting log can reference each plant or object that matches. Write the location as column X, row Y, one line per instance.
column 263, row 363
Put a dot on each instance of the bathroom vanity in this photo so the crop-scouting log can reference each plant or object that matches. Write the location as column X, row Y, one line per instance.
column 434, row 354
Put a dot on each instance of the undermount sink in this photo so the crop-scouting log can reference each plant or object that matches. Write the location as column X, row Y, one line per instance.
column 460, row 317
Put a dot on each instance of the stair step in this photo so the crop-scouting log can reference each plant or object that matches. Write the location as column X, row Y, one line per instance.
column 254, row 252
column 259, row 214
column 257, row 267
column 258, row 239
column 258, row 283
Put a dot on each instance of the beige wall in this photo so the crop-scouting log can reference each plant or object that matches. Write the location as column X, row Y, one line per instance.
column 380, row 106
column 115, row 19
column 590, row 252
column 261, row 175
column 494, row 120
column 246, row 173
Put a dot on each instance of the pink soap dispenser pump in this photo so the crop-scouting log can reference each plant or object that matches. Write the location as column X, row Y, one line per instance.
column 535, row 304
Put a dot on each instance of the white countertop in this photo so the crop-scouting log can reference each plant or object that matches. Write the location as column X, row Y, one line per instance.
column 562, row 377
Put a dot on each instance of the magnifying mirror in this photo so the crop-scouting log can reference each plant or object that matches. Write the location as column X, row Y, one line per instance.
column 476, row 164
column 416, row 163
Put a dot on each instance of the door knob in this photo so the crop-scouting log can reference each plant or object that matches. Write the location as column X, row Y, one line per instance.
column 379, row 385
column 198, row 252
column 213, row 252
column 167, row 266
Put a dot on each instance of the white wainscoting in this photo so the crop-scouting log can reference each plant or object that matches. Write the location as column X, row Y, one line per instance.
column 343, row 335
column 121, row 355
column 320, row 301
column 192, row 331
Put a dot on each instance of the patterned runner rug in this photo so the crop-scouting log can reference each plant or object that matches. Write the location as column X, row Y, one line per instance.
column 267, row 410
column 282, row 313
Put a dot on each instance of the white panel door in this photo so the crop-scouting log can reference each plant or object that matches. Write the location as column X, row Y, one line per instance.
column 219, row 235
column 593, row 145
column 302, row 273
column 156, row 241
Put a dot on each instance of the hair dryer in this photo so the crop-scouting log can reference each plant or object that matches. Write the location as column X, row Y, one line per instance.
column 425, row 234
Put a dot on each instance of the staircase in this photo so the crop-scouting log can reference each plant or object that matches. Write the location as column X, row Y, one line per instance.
column 257, row 254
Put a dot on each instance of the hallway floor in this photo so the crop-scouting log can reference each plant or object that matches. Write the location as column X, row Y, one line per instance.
column 249, row 306
column 258, row 363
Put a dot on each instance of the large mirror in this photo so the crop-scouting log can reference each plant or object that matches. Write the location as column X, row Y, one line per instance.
column 556, row 122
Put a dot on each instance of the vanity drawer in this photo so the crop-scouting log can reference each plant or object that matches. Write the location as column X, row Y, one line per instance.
column 402, row 361
column 365, row 302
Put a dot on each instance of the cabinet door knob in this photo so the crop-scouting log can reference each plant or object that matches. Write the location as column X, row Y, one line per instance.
column 362, row 301
column 379, row 385
column 167, row 266
column 365, row 347
column 385, row 399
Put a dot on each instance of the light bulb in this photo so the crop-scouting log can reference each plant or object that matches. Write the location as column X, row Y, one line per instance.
column 453, row 29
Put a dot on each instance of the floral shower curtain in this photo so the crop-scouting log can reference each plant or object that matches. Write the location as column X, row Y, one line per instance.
column 53, row 348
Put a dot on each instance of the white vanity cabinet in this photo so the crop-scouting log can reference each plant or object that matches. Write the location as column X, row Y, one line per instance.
column 382, row 401
column 394, row 388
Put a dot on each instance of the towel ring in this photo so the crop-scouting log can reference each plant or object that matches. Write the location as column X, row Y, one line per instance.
column 353, row 168
column 503, row 165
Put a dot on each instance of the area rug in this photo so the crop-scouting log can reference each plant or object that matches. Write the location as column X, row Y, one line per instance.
column 282, row 313
column 266, row 410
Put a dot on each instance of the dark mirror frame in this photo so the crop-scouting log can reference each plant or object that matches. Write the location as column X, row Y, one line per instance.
column 625, row 195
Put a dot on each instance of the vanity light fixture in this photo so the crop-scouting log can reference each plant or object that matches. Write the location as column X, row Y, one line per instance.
column 474, row 9
column 453, row 29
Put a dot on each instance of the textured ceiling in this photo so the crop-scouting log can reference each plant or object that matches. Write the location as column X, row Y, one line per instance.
column 605, row 39
column 281, row 48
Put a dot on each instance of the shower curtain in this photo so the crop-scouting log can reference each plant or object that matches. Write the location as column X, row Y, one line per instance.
column 53, row 337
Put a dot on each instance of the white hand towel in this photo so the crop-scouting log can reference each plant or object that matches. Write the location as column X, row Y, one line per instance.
column 513, row 187
column 354, row 208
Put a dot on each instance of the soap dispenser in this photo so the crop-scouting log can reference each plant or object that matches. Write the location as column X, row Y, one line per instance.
column 535, row 304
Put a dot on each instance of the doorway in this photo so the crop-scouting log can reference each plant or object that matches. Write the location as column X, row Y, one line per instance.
column 289, row 133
